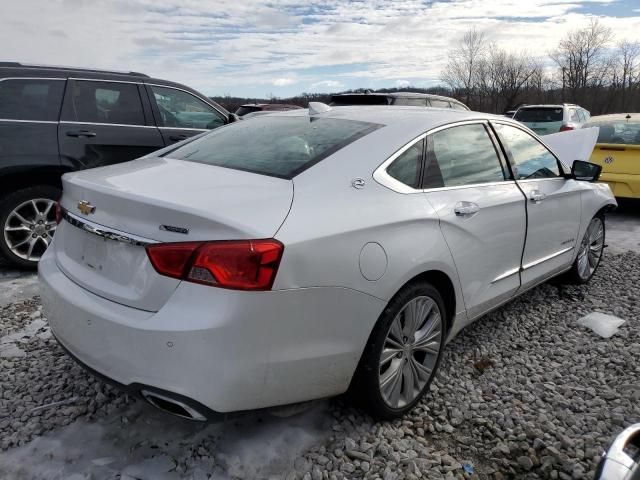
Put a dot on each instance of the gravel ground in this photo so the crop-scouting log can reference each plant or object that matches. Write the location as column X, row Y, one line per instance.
column 523, row 393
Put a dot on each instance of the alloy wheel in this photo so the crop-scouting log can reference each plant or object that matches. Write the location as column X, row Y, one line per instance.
column 410, row 351
column 29, row 228
column 591, row 248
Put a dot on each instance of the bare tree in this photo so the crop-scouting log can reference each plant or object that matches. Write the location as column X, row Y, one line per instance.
column 461, row 71
column 627, row 71
column 582, row 59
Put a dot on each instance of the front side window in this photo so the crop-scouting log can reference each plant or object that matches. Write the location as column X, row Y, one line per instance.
column 439, row 103
column 107, row 102
column 406, row 168
column 410, row 102
column 530, row 158
column 463, row 155
column 273, row 145
column 180, row 109
column 31, row 99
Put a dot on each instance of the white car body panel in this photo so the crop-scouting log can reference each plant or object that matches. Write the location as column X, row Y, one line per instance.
column 351, row 241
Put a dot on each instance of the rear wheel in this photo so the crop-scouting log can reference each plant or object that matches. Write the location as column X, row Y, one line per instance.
column 589, row 253
column 403, row 352
column 28, row 223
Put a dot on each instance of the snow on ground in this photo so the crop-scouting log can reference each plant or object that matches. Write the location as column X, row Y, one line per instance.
column 145, row 444
column 16, row 285
column 623, row 229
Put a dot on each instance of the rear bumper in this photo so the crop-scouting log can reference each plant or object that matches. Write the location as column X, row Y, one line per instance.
column 225, row 350
column 623, row 185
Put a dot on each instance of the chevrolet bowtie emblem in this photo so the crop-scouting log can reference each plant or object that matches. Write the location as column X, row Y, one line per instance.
column 85, row 207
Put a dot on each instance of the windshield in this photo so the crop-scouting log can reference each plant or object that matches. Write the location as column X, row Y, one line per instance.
column 276, row 146
column 539, row 115
column 621, row 132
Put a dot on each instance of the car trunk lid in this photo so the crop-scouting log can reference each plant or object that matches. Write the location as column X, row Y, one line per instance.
column 157, row 200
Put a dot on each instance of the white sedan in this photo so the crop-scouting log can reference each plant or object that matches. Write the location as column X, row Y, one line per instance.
column 308, row 253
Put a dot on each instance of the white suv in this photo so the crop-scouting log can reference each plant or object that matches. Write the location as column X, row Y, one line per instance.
column 546, row 119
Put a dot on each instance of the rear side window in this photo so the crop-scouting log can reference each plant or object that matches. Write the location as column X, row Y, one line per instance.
column 539, row 115
column 406, row 168
column 180, row 109
column 463, row 155
column 31, row 99
column 273, row 145
column 410, row 102
column 530, row 158
column 359, row 100
column 457, row 106
column 439, row 103
column 573, row 115
column 107, row 102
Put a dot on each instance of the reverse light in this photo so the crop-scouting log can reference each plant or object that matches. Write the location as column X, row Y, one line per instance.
column 234, row 264
column 565, row 128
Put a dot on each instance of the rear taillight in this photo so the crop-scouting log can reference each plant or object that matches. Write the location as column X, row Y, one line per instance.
column 565, row 128
column 58, row 210
column 235, row 264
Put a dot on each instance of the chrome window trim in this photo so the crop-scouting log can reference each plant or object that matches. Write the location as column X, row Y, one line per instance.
column 70, row 122
column 381, row 176
column 28, row 121
column 547, row 257
column 106, row 233
column 185, row 128
column 33, row 78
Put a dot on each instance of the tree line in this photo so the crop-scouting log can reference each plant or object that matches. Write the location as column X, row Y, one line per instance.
column 589, row 67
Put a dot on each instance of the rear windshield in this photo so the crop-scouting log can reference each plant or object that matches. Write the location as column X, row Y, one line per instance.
column 274, row 145
column 359, row 100
column 621, row 132
column 539, row 115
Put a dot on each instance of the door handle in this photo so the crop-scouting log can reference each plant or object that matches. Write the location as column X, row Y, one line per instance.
column 177, row 138
column 463, row 209
column 80, row 133
column 536, row 196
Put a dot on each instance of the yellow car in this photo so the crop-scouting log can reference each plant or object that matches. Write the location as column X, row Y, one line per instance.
column 618, row 151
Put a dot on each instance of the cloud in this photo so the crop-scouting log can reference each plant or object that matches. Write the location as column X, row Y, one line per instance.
column 283, row 82
column 402, row 83
column 326, row 85
column 241, row 47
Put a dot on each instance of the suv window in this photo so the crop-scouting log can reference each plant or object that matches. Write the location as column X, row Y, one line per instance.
column 31, row 99
column 573, row 115
column 180, row 109
column 406, row 168
column 107, row 102
column 530, row 158
column 277, row 146
column 410, row 102
column 439, row 103
column 462, row 155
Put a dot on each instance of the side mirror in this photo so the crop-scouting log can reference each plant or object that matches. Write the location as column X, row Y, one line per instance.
column 586, row 171
column 233, row 117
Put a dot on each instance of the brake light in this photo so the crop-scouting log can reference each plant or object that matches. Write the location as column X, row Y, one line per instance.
column 58, row 210
column 234, row 264
column 565, row 128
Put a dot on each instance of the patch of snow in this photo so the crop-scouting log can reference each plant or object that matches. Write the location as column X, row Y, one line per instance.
column 601, row 323
column 9, row 347
column 129, row 443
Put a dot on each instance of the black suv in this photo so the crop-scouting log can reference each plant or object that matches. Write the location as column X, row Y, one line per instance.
column 408, row 99
column 55, row 120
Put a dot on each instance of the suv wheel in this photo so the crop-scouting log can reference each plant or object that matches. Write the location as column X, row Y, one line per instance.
column 27, row 222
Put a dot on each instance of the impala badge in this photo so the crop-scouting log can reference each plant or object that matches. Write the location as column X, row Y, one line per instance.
column 86, row 208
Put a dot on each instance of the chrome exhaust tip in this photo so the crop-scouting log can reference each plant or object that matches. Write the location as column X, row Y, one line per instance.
column 172, row 406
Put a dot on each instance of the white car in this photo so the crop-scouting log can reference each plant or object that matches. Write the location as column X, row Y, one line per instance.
column 306, row 253
column 546, row 119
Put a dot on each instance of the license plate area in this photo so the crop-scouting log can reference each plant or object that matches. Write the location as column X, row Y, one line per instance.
column 94, row 252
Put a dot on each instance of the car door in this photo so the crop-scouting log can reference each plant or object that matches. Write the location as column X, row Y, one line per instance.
column 180, row 114
column 104, row 122
column 553, row 204
column 481, row 209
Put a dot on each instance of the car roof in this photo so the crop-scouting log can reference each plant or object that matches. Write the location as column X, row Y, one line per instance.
column 635, row 117
column 419, row 119
column 14, row 69
column 549, row 105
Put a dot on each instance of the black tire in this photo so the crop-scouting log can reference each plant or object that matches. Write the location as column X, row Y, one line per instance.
column 8, row 204
column 365, row 389
column 573, row 276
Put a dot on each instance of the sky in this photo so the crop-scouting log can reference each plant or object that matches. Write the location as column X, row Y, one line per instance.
column 258, row 49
